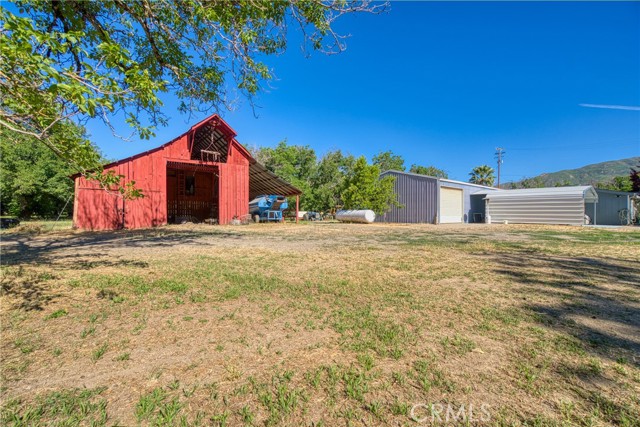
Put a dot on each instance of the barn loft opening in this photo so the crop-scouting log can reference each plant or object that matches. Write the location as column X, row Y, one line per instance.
column 210, row 143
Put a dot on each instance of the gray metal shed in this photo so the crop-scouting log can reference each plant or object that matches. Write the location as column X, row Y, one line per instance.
column 557, row 205
column 418, row 197
column 426, row 199
column 610, row 203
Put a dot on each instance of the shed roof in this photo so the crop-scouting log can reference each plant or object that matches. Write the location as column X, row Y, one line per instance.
column 587, row 192
column 470, row 184
column 444, row 180
column 416, row 175
column 263, row 181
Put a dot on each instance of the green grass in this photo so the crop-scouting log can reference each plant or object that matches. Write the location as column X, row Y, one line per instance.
column 123, row 357
column 99, row 352
column 458, row 344
column 149, row 403
column 26, row 345
column 56, row 314
column 73, row 407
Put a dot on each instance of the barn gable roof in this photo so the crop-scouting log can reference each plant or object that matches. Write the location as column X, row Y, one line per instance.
column 219, row 122
column 261, row 180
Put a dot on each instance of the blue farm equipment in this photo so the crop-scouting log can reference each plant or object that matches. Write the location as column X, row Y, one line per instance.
column 268, row 208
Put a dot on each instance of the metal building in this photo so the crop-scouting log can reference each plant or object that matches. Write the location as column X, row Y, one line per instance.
column 557, row 205
column 426, row 199
column 610, row 206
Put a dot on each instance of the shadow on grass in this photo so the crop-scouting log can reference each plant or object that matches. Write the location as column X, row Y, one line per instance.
column 594, row 299
column 29, row 249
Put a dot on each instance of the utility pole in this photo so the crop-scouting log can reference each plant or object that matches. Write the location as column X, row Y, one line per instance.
column 499, row 154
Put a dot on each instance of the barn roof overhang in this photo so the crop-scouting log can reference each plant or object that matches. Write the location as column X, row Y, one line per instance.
column 263, row 181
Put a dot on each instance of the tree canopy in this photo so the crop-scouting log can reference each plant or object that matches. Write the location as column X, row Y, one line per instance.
column 64, row 61
column 334, row 180
column 365, row 189
column 618, row 183
column 327, row 181
column 387, row 161
column 482, row 175
column 429, row 171
column 34, row 181
column 293, row 163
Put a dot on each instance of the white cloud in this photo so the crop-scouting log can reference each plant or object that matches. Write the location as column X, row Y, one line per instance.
column 612, row 107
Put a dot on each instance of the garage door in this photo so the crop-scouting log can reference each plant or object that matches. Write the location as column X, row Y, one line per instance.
column 450, row 205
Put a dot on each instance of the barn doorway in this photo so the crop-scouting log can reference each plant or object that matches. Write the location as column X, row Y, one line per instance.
column 192, row 193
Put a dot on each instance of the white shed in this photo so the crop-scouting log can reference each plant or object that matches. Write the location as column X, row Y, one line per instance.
column 556, row 205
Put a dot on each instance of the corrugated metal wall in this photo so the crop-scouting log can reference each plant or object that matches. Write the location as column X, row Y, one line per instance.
column 537, row 209
column 418, row 196
column 608, row 207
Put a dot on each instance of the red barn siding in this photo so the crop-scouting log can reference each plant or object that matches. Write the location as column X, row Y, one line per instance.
column 96, row 209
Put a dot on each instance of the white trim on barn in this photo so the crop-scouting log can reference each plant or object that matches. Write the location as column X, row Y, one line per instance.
column 557, row 205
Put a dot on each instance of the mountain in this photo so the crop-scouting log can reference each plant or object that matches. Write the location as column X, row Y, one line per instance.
column 590, row 174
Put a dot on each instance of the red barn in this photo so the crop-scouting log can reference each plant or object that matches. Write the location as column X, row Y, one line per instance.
column 205, row 173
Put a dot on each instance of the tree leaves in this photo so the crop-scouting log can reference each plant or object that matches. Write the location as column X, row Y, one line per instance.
column 429, row 171
column 387, row 161
column 65, row 62
column 365, row 189
column 482, row 175
column 333, row 181
column 34, row 180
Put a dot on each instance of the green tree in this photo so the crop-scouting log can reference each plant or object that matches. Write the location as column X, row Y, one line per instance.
column 293, row 163
column 365, row 189
column 618, row 183
column 387, row 161
column 482, row 175
column 327, row 180
column 33, row 180
column 563, row 183
column 429, row 171
column 77, row 60
column 535, row 182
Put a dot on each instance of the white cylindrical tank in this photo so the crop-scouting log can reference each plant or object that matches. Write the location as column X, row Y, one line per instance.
column 363, row 216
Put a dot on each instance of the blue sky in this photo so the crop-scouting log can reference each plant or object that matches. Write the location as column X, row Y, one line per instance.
column 444, row 84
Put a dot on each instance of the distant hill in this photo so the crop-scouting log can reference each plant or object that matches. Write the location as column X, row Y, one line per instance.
column 590, row 174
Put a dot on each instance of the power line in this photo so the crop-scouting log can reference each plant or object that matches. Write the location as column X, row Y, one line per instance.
column 499, row 154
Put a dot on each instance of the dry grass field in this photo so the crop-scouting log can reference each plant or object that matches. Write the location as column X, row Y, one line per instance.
column 321, row 324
